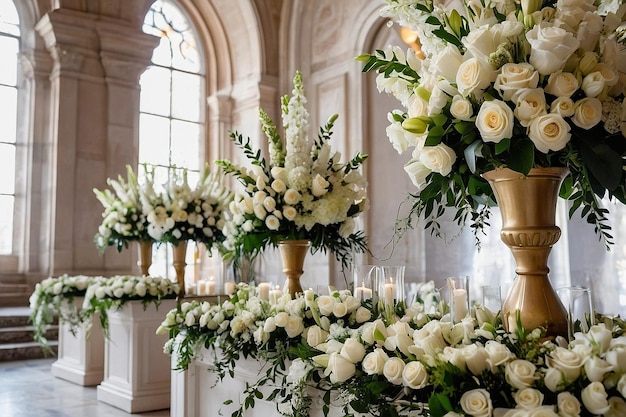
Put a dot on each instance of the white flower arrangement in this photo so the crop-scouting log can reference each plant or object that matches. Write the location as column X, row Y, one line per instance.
column 304, row 191
column 521, row 84
column 418, row 363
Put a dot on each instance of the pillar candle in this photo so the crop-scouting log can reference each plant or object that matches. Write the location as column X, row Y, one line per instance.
column 264, row 291
column 390, row 292
column 459, row 298
column 229, row 288
column 210, row 286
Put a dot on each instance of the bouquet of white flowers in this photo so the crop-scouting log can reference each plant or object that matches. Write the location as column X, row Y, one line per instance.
column 304, row 191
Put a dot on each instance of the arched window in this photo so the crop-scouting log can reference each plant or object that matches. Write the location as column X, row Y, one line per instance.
column 9, row 47
column 171, row 126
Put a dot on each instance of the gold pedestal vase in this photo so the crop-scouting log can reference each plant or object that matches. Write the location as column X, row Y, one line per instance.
column 145, row 256
column 528, row 208
column 179, row 252
column 293, row 253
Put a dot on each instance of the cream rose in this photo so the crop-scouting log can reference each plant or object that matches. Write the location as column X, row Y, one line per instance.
column 292, row 197
column 472, row 77
column 475, row 358
column 393, row 370
column 549, row 132
column 294, row 326
column 326, row 304
column 553, row 379
column 617, row 408
column 528, row 398
column 593, row 84
column 551, row 47
column 315, row 335
column 596, row 368
column 562, row 84
column 594, row 398
column 495, row 121
column 566, row 361
column 352, row 350
column 587, row 112
column 417, row 172
column 544, row 411
column 319, row 187
column 477, row 403
column 414, row 375
column 530, row 103
column 563, row 106
column 371, row 329
column 339, row 368
column 568, row 405
column 514, row 77
column 438, row 158
column 374, row 362
column 272, row 222
column 289, row 212
column 498, row 353
column 520, row 373
column 362, row 315
column 340, row 309
column 461, row 108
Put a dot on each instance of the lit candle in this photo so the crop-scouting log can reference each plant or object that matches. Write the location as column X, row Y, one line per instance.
column 229, row 288
column 190, row 289
column 264, row 291
column 202, row 287
column 459, row 298
column 275, row 294
column 390, row 292
column 363, row 293
column 210, row 286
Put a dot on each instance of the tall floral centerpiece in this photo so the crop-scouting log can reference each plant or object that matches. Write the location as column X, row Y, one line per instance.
column 181, row 213
column 123, row 219
column 302, row 195
column 509, row 87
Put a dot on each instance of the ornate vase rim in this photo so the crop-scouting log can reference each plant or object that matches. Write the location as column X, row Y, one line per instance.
column 295, row 242
column 504, row 173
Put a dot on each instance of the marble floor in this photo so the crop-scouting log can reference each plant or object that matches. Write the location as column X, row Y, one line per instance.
column 28, row 389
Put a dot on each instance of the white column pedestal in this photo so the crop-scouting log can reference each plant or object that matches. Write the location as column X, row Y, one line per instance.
column 80, row 355
column 136, row 371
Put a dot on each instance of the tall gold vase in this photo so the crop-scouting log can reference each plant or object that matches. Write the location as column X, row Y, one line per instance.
column 528, row 209
column 179, row 252
column 293, row 253
column 145, row 256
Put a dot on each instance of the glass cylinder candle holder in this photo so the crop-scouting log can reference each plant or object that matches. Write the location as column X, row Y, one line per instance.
column 391, row 285
column 577, row 302
column 492, row 297
column 458, row 298
column 365, row 279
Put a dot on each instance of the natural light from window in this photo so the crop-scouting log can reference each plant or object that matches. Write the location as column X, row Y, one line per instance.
column 9, row 48
column 171, row 122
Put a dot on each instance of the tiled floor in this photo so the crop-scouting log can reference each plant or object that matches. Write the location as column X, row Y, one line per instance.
column 28, row 389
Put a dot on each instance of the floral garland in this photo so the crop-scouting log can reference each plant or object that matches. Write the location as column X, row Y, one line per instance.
column 303, row 192
column 417, row 364
column 54, row 297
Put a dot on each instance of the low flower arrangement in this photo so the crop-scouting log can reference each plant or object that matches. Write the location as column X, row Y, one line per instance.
column 54, row 297
column 303, row 192
column 418, row 363
column 521, row 84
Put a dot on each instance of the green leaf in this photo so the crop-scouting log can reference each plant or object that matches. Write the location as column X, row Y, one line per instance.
column 439, row 405
column 502, row 146
column 522, row 156
column 604, row 163
column 471, row 153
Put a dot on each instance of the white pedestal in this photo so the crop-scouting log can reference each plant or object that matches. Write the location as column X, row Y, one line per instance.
column 80, row 355
column 197, row 393
column 136, row 371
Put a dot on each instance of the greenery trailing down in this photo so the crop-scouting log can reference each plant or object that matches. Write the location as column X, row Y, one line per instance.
column 302, row 191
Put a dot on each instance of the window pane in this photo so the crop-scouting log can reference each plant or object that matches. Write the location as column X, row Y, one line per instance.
column 9, row 20
column 155, row 91
column 7, row 169
column 186, row 96
column 8, row 115
column 185, row 144
column 6, row 224
column 8, row 52
column 154, row 139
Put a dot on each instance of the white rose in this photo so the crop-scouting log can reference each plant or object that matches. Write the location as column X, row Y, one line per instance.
column 549, row 132
column 520, row 373
column 319, row 187
column 259, row 211
column 393, row 370
column 339, row 368
column 617, row 408
column 475, row 358
column 371, row 329
column 566, row 361
column 563, row 106
column 495, row 121
column 562, row 84
column 515, row 412
column 545, row 411
column 453, row 356
column 596, row 368
column 294, row 326
column 530, row 103
column 477, row 403
column 514, row 77
column 272, row 222
column 400, row 138
column 417, row 172
column 621, row 385
column 279, row 186
column 602, row 337
column 498, row 353
column 401, row 342
column 461, row 108
column 528, row 398
column 289, row 212
column 362, row 315
column 438, row 158
column 553, row 379
column 609, row 74
column 326, row 304
column 587, row 112
column 551, row 47
column 292, row 197
column 472, row 77
column 374, row 362
column 281, row 319
column 352, row 350
column 414, row 375
column 315, row 335
column 568, row 405
column 340, row 309
column 270, row 325
column 593, row 84
column 594, row 398
column 446, row 62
